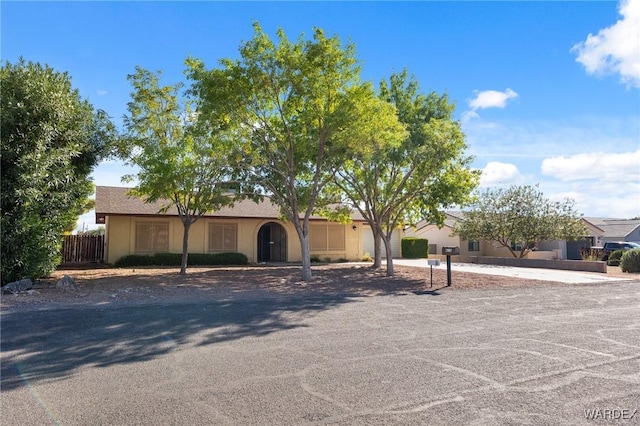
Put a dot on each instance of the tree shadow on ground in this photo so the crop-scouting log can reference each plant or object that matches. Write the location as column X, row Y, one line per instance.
column 55, row 344
column 209, row 306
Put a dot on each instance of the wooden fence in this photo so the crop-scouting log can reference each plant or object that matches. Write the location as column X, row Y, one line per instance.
column 83, row 248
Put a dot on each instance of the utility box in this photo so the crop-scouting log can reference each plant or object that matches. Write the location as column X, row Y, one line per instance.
column 433, row 262
column 450, row 250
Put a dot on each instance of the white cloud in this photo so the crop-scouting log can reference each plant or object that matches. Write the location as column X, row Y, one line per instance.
column 491, row 99
column 468, row 115
column 487, row 99
column 597, row 198
column 101, row 92
column 615, row 49
column 602, row 166
column 497, row 173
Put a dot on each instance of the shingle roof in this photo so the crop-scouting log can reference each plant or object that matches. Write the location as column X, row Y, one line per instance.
column 111, row 200
column 614, row 228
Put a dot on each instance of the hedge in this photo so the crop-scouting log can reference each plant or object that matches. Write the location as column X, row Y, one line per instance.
column 175, row 259
column 415, row 248
column 630, row 261
column 614, row 257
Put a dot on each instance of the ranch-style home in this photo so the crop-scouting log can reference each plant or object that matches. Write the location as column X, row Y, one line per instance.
column 439, row 237
column 254, row 229
column 616, row 229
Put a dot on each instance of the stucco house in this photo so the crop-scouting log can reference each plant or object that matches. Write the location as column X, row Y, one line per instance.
column 443, row 236
column 616, row 229
column 439, row 237
column 254, row 229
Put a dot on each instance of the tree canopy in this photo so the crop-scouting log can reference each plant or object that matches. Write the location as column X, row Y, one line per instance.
column 415, row 165
column 519, row 216
column 285, row 103
column 180, row 158
column 51, row 138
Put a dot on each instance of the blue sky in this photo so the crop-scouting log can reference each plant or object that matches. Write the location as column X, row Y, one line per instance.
column 547, row 93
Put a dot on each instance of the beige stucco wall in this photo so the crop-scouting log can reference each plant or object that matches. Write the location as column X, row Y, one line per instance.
column 491, row 250
column 442, row 237
column 550, row 253
column 120, row 237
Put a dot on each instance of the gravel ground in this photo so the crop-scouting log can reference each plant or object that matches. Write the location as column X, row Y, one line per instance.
column 165, row 285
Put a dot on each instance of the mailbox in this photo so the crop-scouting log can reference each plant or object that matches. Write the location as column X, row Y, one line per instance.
column 432, row 263
column 450, row 250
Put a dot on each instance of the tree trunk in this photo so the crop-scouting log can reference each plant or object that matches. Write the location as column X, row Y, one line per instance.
column 388, row 250
column 377, row 252
column 306, row 256
column 185, row 248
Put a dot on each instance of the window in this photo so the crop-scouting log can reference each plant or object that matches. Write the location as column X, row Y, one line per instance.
column 223, row 237
column 326, row 237
column 152, row 237
column 474, row 245
column 520, row 246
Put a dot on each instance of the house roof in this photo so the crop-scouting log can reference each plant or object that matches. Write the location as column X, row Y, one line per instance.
column 111, row 200
column 451, row 217
column 614, row 228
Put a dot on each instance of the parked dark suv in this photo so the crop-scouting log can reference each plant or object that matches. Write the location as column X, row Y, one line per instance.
column 610, row 247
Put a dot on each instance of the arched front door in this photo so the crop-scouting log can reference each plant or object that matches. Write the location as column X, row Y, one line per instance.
column 272, row 243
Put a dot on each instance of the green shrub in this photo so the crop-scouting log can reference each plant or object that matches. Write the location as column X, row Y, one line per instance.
column 134, row 260
column 630, row 261
column 415, row 248
column 229, row 258
column 314, row 258
column 174, row 259
column 614, row 257
column 167, row 259
column 367, row 258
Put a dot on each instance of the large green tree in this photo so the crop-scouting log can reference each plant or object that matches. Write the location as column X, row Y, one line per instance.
column 519, row 216
column 285, row 101
column 415, row 174
column 51, row 140
column 181, row 160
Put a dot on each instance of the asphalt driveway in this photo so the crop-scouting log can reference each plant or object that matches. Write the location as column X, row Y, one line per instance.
column 561, row 355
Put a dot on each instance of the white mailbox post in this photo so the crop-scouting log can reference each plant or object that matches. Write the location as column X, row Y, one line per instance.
column 432, row 263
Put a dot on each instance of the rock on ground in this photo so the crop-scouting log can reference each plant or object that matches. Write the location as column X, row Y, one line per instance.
column 67, row 283
column 18, row 286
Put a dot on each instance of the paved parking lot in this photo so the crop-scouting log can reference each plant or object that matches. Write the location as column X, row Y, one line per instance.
column 561, row 355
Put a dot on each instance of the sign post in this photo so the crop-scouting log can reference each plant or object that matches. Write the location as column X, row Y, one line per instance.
column 432, row 263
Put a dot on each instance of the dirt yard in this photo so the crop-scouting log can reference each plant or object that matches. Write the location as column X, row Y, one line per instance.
column 166, row 285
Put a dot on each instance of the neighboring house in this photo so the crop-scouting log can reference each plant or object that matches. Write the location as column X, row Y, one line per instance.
column 436, row 236
column 439, row 237
column 617, row 229
column 572, row 250
column 254, row 229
